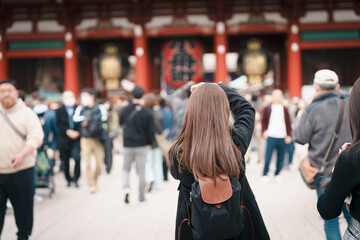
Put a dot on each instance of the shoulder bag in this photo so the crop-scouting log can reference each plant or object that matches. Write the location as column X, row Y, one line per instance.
column 13, row 127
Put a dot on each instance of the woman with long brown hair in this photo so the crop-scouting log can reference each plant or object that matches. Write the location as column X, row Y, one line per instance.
column 346, row 176
column 209, row 146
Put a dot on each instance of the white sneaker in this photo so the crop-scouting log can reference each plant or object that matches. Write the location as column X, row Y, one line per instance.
column 8, row 204
column 38, row 198
column 93, row 189
column 265, row 179
column 278, row 178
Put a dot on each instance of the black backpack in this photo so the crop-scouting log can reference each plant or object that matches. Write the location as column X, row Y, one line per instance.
column 216, row 211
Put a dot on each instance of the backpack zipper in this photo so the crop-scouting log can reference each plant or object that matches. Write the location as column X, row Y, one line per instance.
column 190, row 197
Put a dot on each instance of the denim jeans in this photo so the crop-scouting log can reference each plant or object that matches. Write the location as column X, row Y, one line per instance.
column 290, row 148
column 279, row 145
column 332, row 229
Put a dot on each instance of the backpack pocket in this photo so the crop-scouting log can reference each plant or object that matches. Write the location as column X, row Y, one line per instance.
column 219, row 220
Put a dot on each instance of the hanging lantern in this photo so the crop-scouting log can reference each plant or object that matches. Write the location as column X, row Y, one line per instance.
column 182, row 62
column 254, row 62
column 113, row 66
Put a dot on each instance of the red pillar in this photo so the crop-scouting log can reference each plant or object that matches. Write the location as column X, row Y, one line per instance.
column 3, row 57
column 141, row 53
column 294, row 78
column 221, row 48
column 71, row 79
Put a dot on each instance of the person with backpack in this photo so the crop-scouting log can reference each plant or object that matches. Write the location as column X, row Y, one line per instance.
column 215, row 199
column 91, row 117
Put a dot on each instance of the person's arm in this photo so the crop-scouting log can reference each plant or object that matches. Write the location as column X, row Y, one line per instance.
column 121, row 117
column 185, row 177
column 50, row 122
column 303, row 129
column 244, row 116
column 60, row 124
column 151, row 126
column 287, row 122
column 78, row 116
column 264, row 121
column 34, row 139
column 252, row 212
column 344, row 179
column 103, row 113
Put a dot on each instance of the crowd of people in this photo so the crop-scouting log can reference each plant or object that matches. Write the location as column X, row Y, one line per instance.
column 195, row 119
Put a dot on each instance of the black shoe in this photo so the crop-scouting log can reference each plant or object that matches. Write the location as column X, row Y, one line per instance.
column 127, row 198
column 76, row 184
column 68, row 184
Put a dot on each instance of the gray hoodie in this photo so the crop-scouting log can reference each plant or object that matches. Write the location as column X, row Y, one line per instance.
column 317, row 125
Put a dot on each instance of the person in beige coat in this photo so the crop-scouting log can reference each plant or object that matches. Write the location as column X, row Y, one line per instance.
column 21, row 135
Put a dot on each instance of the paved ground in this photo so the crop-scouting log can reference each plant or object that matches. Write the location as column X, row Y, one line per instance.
column 288, row 208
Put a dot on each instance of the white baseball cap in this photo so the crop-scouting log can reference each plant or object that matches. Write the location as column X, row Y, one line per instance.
column 326, row 77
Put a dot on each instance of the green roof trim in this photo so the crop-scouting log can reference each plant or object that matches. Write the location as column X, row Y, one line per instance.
column 330, row 35
column 35, row 45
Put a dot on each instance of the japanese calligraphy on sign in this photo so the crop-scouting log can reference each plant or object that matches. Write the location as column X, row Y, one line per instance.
column 182, row 62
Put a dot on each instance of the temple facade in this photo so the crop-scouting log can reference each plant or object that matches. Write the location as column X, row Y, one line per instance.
column 55, row 45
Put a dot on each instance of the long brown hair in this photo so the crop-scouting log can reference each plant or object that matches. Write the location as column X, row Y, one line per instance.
column 205, row 146
column 354, row 119
column 354, row 115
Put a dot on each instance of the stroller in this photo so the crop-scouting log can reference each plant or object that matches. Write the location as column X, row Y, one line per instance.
column 44, row 174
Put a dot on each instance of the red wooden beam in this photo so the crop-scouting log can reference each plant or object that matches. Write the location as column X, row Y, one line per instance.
column 329, row 44
column 257, row 28
column 328, row 26
column 104, row 33
column 34, row 36
column 180, row 31
column 36, row 53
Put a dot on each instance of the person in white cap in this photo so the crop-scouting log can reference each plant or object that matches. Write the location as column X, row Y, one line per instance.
column 317, row 126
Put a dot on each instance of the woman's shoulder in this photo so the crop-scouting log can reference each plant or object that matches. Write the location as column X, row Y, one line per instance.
column 350, row 158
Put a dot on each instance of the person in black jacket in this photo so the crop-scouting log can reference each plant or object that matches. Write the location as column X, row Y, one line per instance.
column 68, row 137
column 345, row 181
column 139, row 133
column 209, row 146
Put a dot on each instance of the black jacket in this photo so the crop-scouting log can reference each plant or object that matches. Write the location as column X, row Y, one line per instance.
column 62, row 122
column 244, row 115
column 345, row 181
column 138, row 131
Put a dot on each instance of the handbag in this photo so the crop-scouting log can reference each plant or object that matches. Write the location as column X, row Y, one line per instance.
column 163, row 144
column 310, row 173
column 42, row 162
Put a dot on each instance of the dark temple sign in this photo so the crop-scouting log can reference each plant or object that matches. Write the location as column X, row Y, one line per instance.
column 182, row 62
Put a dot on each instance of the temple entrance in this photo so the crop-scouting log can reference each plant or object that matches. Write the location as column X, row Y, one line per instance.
column 45, row 75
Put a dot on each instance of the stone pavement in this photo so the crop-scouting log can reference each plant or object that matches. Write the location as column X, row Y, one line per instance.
column 288, row 208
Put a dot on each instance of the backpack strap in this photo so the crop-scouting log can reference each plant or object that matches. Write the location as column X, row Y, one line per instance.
column 137, row 109
column 248, row 213
column 185, row 220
